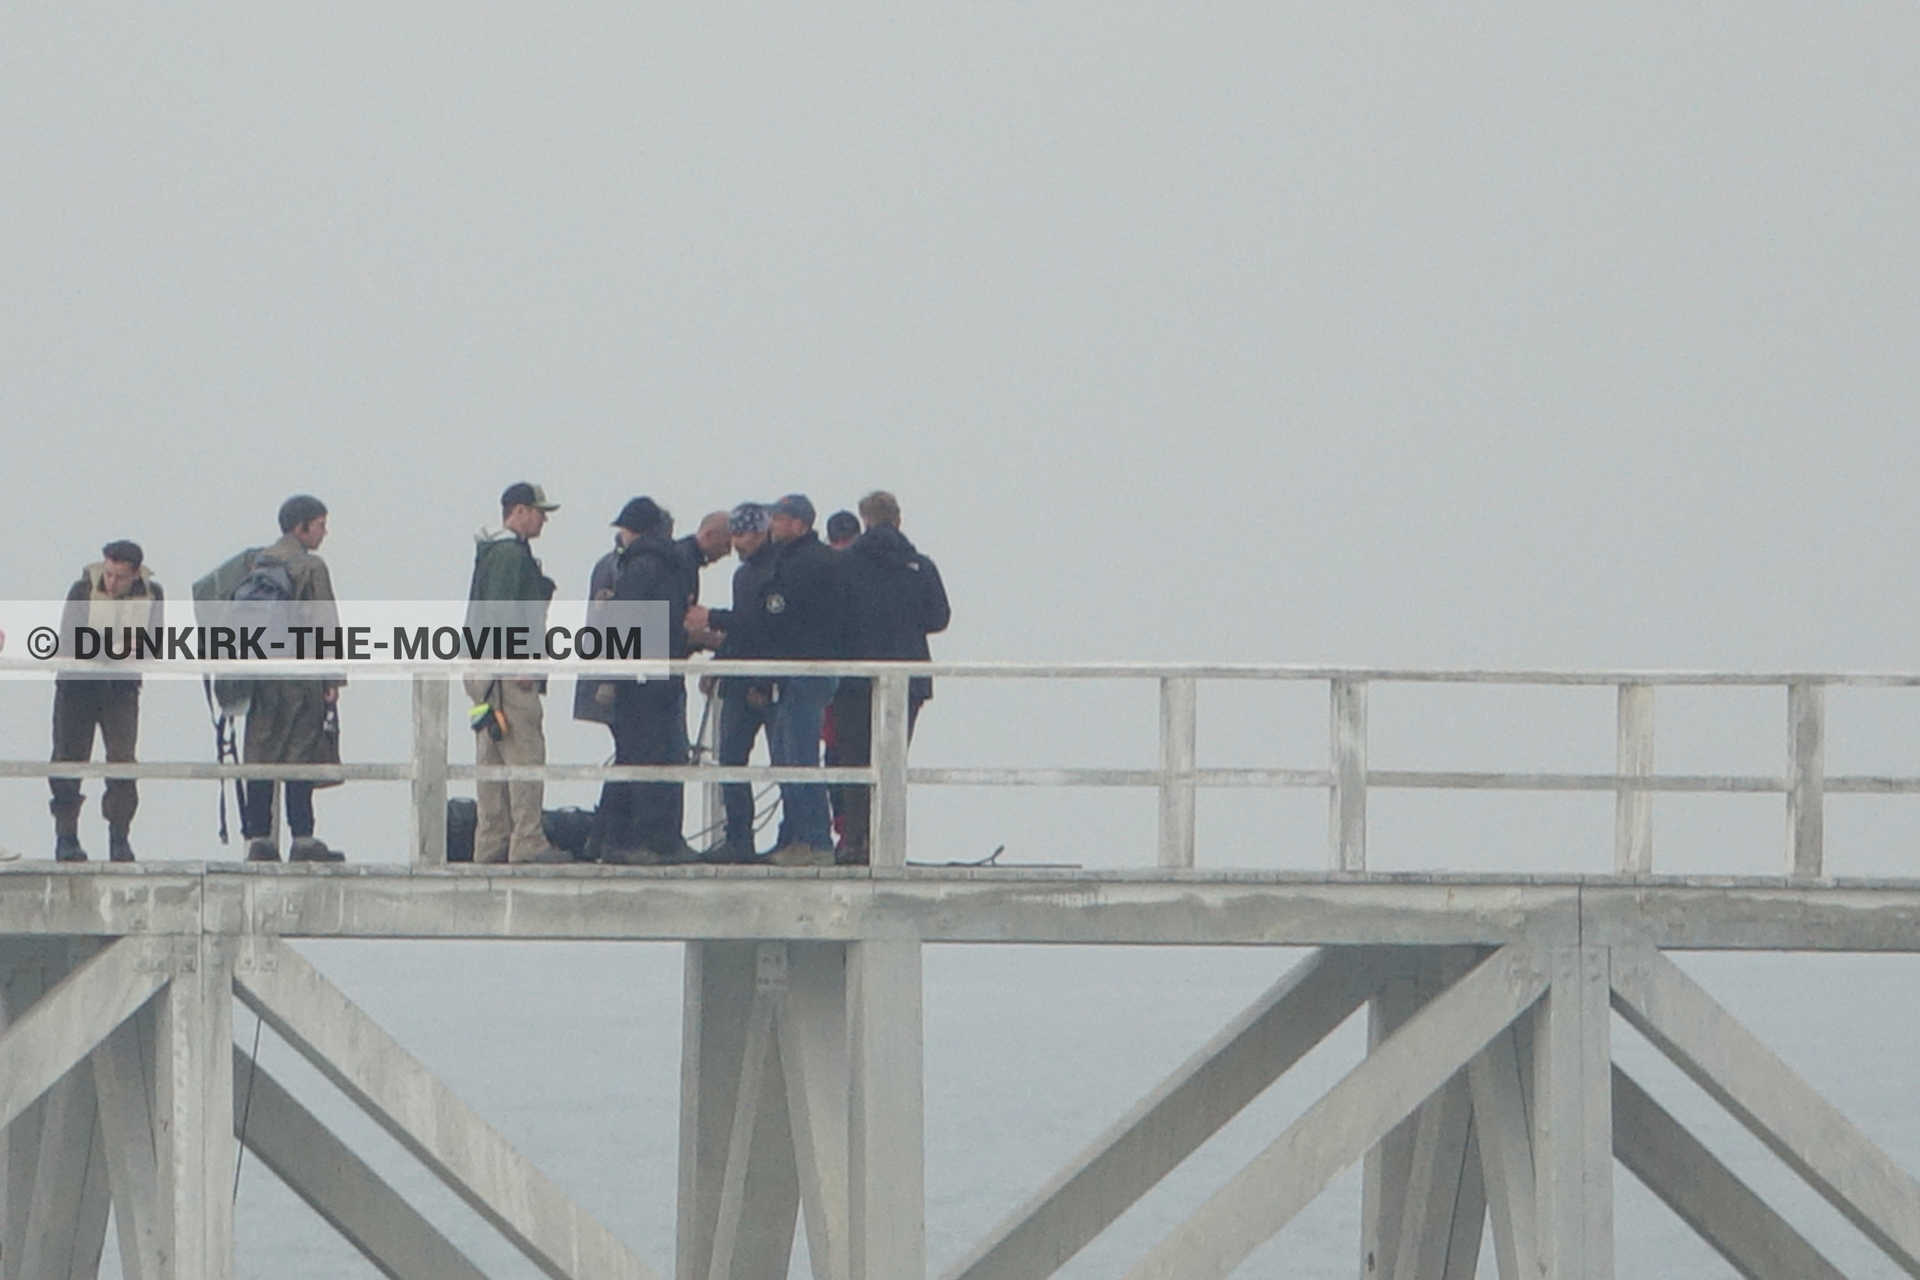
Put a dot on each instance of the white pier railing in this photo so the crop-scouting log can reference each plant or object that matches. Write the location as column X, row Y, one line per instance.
column 1490, row 1101
column 1178, row 778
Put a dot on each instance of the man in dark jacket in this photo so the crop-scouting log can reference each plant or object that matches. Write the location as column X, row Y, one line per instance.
column 895, row 600
column 509, row 590
column 291, row 720
column 746, row 705
column 641, row 822
column 803, row 607
column 111, row 596
column 708, row 544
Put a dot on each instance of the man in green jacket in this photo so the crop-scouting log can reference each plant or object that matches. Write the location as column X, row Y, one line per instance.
column 508, row 582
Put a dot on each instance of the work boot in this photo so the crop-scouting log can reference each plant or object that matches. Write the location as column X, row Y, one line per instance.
column 66, row 836
column 629, row 857
column 677, row 851
column 736, row 852
column 119, row 849
column 261, row 849
column 545, row 855
column 308, row 849
column 798, row 853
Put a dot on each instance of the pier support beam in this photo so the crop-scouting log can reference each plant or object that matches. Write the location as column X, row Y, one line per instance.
column 123, row 1074
column 336, row 1184
column 719, row 1090
column 886, row 1125
column 66, row 1221
column 423, row 1115
column 1388, row 1086
column 1181, row 1113
column 193, row 1135
column 1573, row 1117
column 1780, row 1108
column 1705, row 1194
column 24, row 977
column 802, row 1090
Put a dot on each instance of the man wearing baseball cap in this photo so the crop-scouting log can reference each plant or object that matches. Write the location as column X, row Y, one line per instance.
column 509, row 590
column 803, row 608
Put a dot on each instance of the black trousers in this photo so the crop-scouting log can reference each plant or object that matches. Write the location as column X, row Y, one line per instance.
column 740, row 723
column 645, row 815
column 853, row 730
column 256, row 819
column 113, row 708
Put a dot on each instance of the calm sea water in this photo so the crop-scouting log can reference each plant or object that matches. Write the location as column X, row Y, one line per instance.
column 572, row 1052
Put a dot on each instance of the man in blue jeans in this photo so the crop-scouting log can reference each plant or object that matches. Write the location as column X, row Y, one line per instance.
column 746, row 705
column 802, row 610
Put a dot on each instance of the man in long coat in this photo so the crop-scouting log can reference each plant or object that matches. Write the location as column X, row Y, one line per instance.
column 293, row 721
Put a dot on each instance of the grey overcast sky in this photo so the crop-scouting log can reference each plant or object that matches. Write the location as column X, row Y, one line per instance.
column 1477, row 334
column 1463, row 334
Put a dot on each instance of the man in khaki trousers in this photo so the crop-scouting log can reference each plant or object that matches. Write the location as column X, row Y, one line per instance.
column 508, row 589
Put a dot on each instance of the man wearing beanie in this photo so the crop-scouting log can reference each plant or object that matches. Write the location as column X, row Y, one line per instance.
column 293, row 721
column 640, row 823
column 508, row 590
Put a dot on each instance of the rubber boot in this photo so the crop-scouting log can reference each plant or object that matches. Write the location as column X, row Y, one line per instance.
column 66, row 835
column 118, row 848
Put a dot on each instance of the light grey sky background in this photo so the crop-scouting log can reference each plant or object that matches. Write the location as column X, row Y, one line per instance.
column 1474, row 335
column 1478, row 337
column 1252, row 332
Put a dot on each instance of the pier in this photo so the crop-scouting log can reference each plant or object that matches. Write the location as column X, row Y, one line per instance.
column 1489, row 1104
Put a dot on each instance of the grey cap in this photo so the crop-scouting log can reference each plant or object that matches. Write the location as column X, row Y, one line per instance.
column 794, row 506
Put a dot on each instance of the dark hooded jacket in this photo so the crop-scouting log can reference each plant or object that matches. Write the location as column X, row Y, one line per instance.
column 804, row 603
column 651, row 568
column 895, row 599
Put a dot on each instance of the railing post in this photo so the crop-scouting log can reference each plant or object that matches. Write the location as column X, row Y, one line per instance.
column 429, row 770
column 712, row 800
column 1806, row 779
column 889, row 756
column 1347, row 837
column 1633, row 806
column 1178, row 734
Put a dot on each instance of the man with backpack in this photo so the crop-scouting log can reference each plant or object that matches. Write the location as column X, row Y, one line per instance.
column 291, row 720
column 509, row 590
column 114, row 593
column 896, row 599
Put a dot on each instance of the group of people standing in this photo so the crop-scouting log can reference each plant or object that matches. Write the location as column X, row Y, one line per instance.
column 869, row 594
column 288, row 721
column 866, row 594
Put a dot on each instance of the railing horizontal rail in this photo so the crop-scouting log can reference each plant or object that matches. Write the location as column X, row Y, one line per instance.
column 1347, row 778
column 1402, row 779
column 654, row 773
column 200, row 772
column 174, row 771
column 1599, row 678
